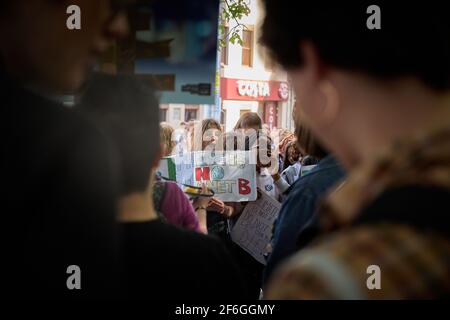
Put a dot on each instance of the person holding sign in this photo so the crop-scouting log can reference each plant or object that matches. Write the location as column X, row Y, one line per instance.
column 159, row 261
column 244, row 138
column 208, row 137
column 267, row 167
column 171, row 201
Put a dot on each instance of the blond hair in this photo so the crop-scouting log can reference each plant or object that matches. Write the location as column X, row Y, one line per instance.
column 166, row 132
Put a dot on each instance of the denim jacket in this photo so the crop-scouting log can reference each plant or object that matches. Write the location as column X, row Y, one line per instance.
column 299, row 207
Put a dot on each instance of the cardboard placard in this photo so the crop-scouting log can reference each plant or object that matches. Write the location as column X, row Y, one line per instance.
column 231, row 174
column 253, row 230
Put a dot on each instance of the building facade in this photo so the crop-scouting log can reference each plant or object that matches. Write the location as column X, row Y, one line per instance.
column 250, row 81
column 195, row 80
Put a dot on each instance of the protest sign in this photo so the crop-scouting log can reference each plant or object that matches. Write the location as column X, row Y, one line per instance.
column 231, row 175
column 253, row 230
column 167, row 168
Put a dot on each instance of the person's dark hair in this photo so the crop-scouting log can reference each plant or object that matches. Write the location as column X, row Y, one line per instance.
column 309, row 161
column 5, row 5
column 247, row 120
column 200, row 128
column 237, row 140
column 209, row 123
column 124, row 110
column 414, row 39
column 286, row 162
column 308, row 144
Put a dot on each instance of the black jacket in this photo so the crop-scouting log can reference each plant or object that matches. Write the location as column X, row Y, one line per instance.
column 425, row 208
column 57, row 200
column 163, row 262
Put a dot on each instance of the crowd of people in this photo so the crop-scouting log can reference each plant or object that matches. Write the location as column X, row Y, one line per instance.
column 364, row 180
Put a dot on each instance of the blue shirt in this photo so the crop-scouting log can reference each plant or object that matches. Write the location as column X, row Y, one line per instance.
column 298, row 209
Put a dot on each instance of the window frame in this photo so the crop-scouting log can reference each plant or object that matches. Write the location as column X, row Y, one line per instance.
column 250, row 49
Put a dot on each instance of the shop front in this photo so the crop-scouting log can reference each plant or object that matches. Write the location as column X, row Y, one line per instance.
column 268, row 98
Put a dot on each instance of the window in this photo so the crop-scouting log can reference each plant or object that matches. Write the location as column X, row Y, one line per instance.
column 162, row 115
column 190, row 114
column 224, row 50
column 247, row 47
column 176, row 114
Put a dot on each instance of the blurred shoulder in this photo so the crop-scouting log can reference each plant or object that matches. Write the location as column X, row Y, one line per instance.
column 172, row 186
column 412, row 264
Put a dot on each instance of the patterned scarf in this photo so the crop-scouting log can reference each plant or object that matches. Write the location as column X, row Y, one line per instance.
column 421, row 160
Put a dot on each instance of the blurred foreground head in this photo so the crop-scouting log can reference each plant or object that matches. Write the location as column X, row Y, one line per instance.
column 37, row 48
column 358, row 89
column 126, row 111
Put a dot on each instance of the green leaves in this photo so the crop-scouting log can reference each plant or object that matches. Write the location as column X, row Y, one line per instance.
column 237, row 8
column 232, row 10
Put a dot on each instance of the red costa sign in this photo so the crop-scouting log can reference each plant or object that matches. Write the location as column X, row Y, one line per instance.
column 236, row 89
column 271, row 114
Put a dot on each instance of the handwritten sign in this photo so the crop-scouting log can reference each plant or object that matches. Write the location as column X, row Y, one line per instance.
column 231, row 174
column 167, row 168
column 253, row 230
